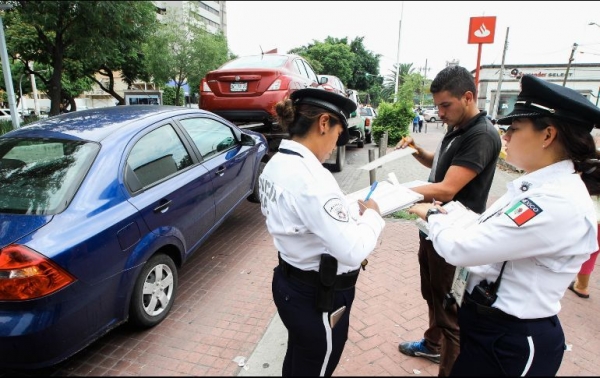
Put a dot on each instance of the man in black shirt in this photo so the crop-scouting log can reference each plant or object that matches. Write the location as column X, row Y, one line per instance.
column 462, row 169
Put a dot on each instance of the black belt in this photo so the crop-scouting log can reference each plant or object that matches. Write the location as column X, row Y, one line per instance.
column 311, row 277
column 494, row 312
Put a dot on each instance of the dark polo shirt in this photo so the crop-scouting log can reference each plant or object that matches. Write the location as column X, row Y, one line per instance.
column 476, row 146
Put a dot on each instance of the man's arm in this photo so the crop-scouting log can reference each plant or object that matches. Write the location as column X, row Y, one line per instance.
column 455, row 179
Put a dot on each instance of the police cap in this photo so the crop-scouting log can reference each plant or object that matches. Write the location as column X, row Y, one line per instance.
column 540, row 98
column 332, row 102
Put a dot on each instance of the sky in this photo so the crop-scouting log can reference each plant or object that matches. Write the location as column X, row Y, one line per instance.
column 424, row 33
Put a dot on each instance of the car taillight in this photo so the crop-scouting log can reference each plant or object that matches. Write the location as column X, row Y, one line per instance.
column 25, row 274
column 368, row 122
column 282, row 83
column 205, row 87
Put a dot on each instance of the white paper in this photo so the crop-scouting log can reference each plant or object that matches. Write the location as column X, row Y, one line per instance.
column 396, row 154
column 389, row 195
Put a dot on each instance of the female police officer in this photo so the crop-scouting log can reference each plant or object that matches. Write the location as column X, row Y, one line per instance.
column 527, row 247
column 321, row 243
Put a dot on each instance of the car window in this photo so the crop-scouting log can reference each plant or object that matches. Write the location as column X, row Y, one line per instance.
column 41, row 176
column 300, row 67
column 210, row 136
column 157, row 155
column 310, row 72
column 257, row 61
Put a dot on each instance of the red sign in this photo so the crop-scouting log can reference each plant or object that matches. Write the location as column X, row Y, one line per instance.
column 482, row 29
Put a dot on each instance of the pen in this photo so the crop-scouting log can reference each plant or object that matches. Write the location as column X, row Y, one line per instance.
column 412, row 145
column 373, row 186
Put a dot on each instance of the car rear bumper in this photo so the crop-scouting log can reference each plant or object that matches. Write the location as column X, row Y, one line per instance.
column 243, row 108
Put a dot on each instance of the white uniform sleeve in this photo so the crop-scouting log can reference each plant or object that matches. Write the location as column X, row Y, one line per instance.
column 549, row 235
column 326, row 214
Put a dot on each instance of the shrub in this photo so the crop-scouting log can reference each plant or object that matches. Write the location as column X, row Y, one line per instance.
column 395, row 118
column 5, row 126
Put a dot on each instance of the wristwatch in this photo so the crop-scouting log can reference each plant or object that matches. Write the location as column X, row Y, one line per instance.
column 433, row 210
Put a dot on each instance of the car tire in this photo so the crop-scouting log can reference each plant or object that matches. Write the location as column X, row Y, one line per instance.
column 340, row 158
column 360, row 144
column 153, row 296
column 255, row 196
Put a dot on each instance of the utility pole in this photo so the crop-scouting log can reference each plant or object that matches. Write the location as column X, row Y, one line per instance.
column 501, row 76
column 398, row 55
column 569, row 65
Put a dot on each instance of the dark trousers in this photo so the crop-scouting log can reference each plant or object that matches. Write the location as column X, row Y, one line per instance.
column 420, row 125
column 308, row 349
column 442, row 336
column 415, row 125
column 494, row 347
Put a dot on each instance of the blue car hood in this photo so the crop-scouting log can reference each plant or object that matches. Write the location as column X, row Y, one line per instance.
column 14, row 226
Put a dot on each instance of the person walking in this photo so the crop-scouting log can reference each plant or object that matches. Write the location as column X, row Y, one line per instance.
column 322, row 240
column 524, row 250
column 462, row 169
column 420, row 122
column 416, row 122
column 581, row 284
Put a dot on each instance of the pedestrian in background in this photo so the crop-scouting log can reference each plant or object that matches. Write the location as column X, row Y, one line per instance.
column 525, row 249
column 462, row 169
column 321, row 243
column 420, row 122
column 416, row 122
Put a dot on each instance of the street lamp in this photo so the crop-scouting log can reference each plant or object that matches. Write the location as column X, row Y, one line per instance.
column 6, row 69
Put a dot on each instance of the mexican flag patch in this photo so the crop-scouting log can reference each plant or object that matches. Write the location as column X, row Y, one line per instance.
column 523, row 211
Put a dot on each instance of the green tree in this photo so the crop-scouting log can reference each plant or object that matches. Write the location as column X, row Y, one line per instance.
column 76, row 39
column 354, row 65
column 389, row 81
column 183, row 51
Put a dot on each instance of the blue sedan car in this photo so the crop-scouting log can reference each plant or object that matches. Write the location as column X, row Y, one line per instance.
column 98, row 211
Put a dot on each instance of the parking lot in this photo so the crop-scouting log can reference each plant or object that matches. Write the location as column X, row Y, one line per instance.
column 224, row 307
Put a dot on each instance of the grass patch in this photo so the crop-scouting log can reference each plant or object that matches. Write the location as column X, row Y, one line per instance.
column 5, row 126
column 403, row 214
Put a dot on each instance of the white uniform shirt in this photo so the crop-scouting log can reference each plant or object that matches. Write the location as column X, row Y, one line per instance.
column 308, row 214
column 545, row 226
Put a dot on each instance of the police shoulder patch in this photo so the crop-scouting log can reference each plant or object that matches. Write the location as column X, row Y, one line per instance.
column 336, row 209
column 523, row 211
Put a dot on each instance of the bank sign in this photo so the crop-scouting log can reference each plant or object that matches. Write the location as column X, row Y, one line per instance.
column 482, row 30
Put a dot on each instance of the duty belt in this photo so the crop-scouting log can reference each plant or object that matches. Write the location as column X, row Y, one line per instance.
column 494, row 312
column 311, row 277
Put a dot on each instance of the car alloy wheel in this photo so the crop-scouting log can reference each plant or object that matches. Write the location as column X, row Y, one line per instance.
column 154, row 292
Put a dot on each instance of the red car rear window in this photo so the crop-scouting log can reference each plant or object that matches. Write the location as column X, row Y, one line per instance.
column 257, row 61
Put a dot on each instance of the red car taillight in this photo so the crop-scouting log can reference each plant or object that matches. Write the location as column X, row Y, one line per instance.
column 368, row 122
column 204, row 86
column 25, row 274
column 282, row 83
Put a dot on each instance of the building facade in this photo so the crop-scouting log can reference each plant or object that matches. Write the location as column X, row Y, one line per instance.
column 584, row 78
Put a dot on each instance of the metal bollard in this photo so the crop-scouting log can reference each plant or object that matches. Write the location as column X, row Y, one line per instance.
column 372, row 172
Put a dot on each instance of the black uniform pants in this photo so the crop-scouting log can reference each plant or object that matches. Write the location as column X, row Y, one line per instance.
column 314, row 348
column 492, row 346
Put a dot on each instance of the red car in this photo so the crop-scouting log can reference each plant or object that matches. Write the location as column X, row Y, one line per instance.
column 333, row 84
column 246, row 89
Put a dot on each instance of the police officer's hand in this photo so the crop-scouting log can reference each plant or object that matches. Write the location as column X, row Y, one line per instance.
column 370, row 204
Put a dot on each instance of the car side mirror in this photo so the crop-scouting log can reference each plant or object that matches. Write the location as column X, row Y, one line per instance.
column 323, row 80
column 247, row 140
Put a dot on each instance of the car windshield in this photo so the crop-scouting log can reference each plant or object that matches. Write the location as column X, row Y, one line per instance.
column 257, row 61
column 366, row 112
column 40, row 176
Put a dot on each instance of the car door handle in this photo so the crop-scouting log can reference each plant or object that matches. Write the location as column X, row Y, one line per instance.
column 220, row 171
column 163, row 207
